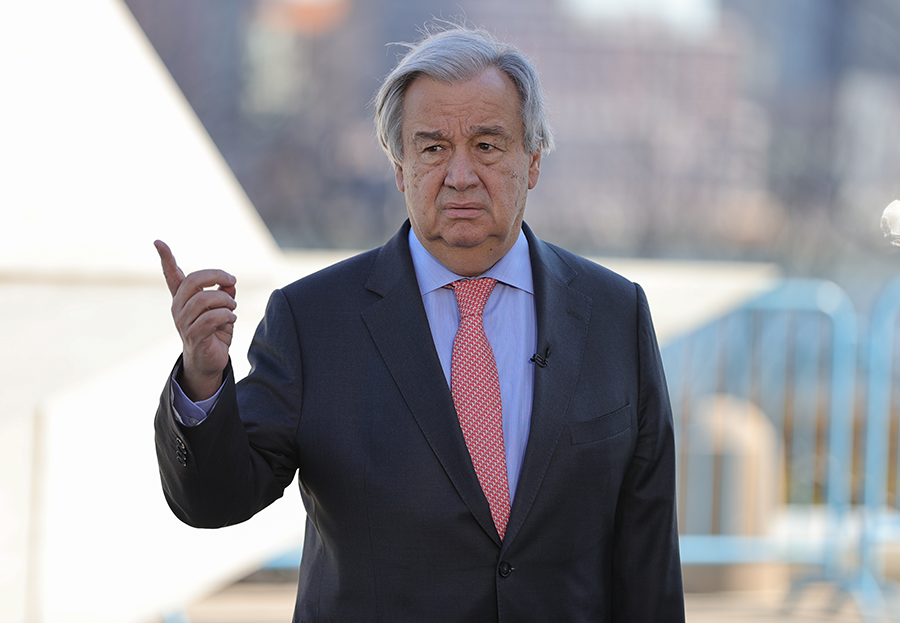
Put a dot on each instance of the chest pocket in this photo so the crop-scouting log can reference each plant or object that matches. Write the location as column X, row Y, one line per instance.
column 603, row 427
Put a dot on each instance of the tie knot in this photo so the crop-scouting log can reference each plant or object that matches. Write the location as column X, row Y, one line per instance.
column 472, row 294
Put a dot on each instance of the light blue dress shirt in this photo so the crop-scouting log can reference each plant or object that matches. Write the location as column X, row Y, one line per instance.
column 510, row 324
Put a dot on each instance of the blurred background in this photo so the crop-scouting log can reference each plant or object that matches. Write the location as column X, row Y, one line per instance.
column 732, row 156
column 715, row 129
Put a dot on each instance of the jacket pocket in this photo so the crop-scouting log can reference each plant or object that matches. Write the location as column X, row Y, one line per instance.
column 603, row 427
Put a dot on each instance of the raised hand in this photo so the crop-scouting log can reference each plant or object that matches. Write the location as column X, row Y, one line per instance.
column 203, row 305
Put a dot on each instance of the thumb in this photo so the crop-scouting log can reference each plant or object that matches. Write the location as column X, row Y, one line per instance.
column 174, row 276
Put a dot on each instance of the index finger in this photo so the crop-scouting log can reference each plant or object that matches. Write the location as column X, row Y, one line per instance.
column 174, row 275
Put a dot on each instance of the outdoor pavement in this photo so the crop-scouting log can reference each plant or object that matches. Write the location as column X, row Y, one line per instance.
column 273, row 602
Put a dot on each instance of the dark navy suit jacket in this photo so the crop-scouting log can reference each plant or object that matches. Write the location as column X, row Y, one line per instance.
column 346, row 387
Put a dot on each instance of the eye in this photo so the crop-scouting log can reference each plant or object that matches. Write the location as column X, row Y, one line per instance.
column 432, row 149
column 486, row 147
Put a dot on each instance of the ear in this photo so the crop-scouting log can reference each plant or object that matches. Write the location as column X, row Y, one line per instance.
column 398, row 176
column 534, row 169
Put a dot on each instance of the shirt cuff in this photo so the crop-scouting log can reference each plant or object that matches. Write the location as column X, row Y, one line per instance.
column 187, row 412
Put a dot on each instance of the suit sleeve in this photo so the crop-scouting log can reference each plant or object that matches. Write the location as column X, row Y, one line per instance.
column 240, row 459
column 646, row 560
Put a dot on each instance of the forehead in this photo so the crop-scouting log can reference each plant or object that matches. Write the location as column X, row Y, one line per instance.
column 487, row 100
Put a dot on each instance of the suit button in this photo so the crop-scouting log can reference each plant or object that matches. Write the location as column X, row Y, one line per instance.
column 179, row 443
column 505, row 569
column 181, row 457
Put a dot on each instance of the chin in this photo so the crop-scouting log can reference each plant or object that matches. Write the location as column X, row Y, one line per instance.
column 465, row 236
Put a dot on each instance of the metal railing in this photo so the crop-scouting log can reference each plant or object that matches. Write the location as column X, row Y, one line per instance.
column 790, row 359
column 786, row 365
column 881, row 491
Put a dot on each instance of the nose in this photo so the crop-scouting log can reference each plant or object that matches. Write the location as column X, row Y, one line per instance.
column 461, row 173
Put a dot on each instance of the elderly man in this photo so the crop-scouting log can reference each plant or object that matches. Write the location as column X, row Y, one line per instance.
column 479, row 419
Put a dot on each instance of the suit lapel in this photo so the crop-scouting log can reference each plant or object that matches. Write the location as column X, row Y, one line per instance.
column 562, row 321
column 399, row 328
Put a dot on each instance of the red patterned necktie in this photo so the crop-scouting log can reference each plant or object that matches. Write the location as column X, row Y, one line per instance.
column 476, row 394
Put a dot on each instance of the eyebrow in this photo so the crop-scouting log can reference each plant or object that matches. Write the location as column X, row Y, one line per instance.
column 489, row 130
column 478, row 130
column 423, row 135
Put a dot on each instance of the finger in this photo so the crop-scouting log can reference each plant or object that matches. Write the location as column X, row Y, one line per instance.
column 225, row 332
column 229, row 290
column 200, row 303
column 174, row 275
column 218, row 323
column 200, row 281
column 211, row 321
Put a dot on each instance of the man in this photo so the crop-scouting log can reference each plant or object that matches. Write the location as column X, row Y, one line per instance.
column 510, row 463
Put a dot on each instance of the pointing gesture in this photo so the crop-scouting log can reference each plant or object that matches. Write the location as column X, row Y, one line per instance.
column 205, row 320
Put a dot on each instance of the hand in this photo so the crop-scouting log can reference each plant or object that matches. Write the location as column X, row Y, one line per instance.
column 205, row 321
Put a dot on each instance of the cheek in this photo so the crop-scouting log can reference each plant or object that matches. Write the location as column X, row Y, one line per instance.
column 425, row 182
column 413, row 176
column 421, row 193
column 513, row 185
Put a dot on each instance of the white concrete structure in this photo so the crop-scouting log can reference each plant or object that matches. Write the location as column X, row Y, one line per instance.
column 100, row 155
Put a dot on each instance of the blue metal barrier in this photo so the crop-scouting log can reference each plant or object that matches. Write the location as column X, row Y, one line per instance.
column 881, row 517
column 791, row 353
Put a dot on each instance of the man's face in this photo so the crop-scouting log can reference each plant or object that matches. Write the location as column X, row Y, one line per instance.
column 465, row 170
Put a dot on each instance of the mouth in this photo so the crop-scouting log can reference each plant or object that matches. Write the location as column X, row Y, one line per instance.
column 462, row 210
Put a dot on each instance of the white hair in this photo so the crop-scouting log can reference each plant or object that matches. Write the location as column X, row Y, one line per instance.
column 455, row 55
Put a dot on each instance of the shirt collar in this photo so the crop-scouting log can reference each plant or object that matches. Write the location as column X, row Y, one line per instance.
column 513, row 269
